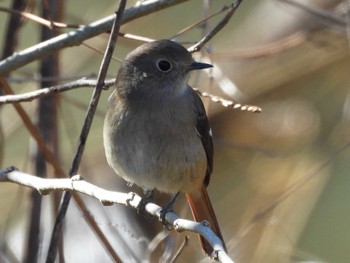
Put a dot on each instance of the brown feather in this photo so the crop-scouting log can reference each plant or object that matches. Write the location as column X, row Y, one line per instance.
column 202, row 210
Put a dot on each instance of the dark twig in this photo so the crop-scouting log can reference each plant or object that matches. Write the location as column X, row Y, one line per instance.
column 181, row 249
column 47, row 126
column 14, row 24
column 217, row 28
column 85, row 131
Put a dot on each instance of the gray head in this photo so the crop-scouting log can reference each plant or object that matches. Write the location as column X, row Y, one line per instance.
column 159, row 66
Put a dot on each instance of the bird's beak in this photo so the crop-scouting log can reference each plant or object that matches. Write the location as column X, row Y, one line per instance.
column 199, row 65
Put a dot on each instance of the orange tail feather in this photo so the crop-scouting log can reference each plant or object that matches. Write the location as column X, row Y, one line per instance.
column 202, row 210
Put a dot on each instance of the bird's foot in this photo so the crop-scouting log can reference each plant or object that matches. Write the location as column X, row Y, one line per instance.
column 166, row 209
column 141, row 209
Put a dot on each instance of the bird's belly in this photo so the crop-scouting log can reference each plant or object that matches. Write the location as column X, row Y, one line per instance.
column 160, row 158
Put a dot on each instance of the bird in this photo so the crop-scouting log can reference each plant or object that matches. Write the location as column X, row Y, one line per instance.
column 156, row 131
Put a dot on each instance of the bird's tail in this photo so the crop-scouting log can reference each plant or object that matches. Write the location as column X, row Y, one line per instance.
column 202, row 210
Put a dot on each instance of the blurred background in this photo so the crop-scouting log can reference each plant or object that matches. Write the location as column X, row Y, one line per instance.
column 280, row 185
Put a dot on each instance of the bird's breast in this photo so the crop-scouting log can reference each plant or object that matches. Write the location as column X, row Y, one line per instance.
column 157, row 148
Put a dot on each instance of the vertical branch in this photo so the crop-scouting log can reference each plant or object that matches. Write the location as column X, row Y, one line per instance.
column 85, row 130
column 14, row 24
column 46, row 123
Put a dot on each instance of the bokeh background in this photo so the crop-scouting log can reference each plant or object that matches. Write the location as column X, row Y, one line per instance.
column 280, row 185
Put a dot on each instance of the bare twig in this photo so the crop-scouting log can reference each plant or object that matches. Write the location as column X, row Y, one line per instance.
column 55, row 24
column 98, row 50
column 199, row 22
column 29, row 96
column 39, row 19
column 78, row 184
column 229, row 103
column 181, row 249
column 217, row 28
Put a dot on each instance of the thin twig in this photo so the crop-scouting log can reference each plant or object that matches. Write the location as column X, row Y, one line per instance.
column 229, row 103
column 217, row 28
column 39, row 20
column 85, row 132
column 29, row 96
column 199, row 22
column 97, row 50
column 55, row 24
column 181, row 249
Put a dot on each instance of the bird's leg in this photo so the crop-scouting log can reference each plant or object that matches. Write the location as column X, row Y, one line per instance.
column 149, row 194
column 141, row 209
column 166, row 209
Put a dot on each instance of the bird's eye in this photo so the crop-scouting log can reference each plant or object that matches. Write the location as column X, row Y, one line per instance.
column 164, row 65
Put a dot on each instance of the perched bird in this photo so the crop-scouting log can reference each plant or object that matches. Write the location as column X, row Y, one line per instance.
column 156, row 131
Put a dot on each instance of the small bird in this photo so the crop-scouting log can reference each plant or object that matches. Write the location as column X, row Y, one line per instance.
column 156, row 131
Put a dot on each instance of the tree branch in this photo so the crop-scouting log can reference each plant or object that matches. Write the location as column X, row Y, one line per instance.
column 77, row 184
column 75, row 38
column 29, row 96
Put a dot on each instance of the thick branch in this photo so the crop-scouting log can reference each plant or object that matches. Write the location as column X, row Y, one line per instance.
column 78, row 184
